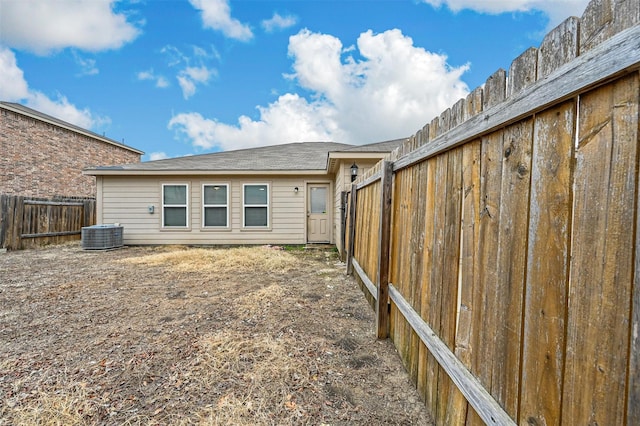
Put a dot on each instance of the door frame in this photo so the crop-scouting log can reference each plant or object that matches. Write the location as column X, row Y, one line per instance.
column 330, row 207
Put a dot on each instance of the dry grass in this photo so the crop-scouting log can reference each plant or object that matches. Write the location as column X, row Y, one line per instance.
column 183, row 336
column 264, row 367
column 218, row 260
column 57, row 409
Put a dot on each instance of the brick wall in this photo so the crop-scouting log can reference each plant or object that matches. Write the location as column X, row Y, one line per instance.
column 38, row 159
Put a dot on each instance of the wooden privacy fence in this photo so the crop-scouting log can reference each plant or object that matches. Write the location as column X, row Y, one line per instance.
column 30, row 222
column 500, row 244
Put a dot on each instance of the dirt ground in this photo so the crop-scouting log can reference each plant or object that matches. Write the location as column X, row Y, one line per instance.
column 155, row 336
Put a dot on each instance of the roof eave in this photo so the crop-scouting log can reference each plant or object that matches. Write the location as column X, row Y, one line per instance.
column 357, row 155
column 335, row 156
column 131, row 172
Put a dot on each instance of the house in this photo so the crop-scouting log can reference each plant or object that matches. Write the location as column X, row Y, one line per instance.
column 43, row 156
column 282, row 194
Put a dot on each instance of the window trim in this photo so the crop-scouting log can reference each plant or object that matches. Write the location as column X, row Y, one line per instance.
column 226, row 205
column 267, row 205
column 186, row 205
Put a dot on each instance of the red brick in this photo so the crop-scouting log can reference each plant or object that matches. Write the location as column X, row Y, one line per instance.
column 40, row 159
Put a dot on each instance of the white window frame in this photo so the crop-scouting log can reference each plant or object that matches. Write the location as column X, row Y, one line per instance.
column 186, row 205
column 267, row 205
column 226, row 205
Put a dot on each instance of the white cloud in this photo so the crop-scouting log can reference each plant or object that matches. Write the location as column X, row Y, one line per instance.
column 13, row 86
column 18, row 91
column 190, row 76
column 352, row 100
column 216, row 14
column 557, row 11
column 157, row 156
column 62, row 109
column 291, row 118
column 368, row 92
column 194, row 69
column 88, row 66
column 160, row 81
column 318, row 63
column 42, row 25
column 278, row 22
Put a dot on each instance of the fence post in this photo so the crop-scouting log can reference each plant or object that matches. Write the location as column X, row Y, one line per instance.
column 633, row 400
column 352, row 229
column 18, row 223
column 343, row 225
column 382, row 306
column 11, row 222
column 4, row 218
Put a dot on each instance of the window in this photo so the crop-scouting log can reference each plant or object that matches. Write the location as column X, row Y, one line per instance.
column 215, row 205
column 174, row 206
column 256, row 205
column 318, row 199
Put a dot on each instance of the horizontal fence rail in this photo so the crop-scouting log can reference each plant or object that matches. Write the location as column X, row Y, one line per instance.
column 371, row 287
column 489, row 410
column 508, row 227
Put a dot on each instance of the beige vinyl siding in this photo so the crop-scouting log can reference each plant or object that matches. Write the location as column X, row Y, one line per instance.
column 126, row 200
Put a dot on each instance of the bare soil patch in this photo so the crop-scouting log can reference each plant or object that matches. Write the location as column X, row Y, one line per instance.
column 173, row 335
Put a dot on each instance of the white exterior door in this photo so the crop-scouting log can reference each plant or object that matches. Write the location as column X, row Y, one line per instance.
column 318, row 217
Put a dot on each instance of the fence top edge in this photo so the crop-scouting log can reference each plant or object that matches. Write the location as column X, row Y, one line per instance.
column 369, row 181
column 599, row 72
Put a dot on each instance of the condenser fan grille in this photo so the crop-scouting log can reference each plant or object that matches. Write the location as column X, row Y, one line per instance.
column 101, row 237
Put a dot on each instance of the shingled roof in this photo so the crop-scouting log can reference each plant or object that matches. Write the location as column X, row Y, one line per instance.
column 386, row 146
column 292, row 157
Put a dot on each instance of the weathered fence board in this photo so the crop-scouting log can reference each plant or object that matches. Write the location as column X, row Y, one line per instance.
column 382, row 296
column 367, row 231
column 28, row 222
column 434, row 284
column 487, row 318
column 429, row 195
column 415, row 226
column 522, row 72
column 512, row 253
column 467, row 273
column 490, row 411
column 450, row 267
column 613, row 57
column 514, row 236
column 558, row 47
column 595, row 24
column 633, row 398
column 602, row 259
column 399, row 255
column 547, row 262
column 405, row 275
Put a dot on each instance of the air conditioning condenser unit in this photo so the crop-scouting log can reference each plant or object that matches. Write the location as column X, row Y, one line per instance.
column 101, row 237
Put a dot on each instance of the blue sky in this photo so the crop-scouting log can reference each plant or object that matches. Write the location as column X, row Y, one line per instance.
column 182, row 77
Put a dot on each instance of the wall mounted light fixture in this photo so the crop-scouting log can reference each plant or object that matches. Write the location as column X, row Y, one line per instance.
column 295, row 189
column 354, row 172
